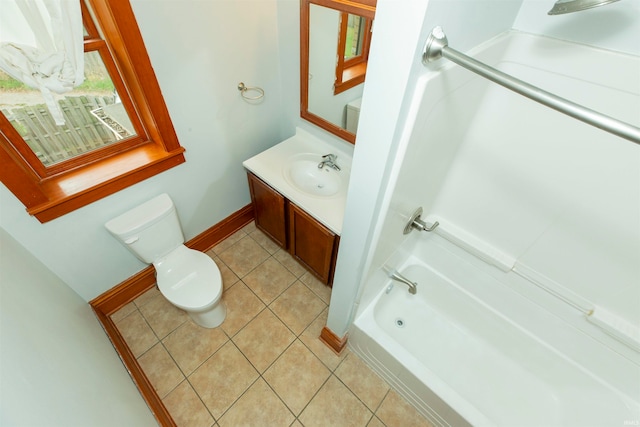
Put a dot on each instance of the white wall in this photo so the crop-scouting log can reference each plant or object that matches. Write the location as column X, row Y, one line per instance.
column 467, row 24
column 388, row 73
column 530, row 183
column 615, row 26
column 200, row 51
column 57, row 367
column 401, row 28
column 288, row 30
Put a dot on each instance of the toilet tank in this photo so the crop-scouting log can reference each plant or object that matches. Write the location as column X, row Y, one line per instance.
column 150, row 231
column 353, row 115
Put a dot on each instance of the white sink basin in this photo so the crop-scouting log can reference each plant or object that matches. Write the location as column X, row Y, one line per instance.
column 302, row 172
column 283, row 168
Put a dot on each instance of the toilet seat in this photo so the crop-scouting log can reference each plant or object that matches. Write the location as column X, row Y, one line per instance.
column 188, row 278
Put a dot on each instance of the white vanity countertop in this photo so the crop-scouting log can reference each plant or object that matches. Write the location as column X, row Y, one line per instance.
column 271, row 164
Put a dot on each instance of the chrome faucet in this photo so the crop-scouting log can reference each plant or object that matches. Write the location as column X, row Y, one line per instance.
column 330, row 161
column 413, row 286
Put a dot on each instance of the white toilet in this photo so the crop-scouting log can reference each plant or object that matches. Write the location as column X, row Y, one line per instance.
column 189, row 279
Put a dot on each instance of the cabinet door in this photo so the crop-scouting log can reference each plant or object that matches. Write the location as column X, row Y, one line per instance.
column 269, row 210
column 312, row 244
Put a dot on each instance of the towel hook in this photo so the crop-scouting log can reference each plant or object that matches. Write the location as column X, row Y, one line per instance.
column 244, row 89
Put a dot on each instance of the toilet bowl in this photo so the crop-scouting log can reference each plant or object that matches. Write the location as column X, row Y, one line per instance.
column 187, row 278
column 190, row 280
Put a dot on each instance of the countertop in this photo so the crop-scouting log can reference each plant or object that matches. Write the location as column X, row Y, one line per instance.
column 270, row 166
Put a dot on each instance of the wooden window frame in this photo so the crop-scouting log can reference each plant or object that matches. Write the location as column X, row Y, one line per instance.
column 49, row 193
column 351, row 72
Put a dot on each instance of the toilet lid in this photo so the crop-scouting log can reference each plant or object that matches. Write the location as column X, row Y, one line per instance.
column 189, row 279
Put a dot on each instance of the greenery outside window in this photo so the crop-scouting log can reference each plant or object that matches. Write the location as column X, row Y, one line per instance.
column 117, row 128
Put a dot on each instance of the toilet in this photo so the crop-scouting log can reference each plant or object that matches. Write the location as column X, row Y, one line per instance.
column 188, row 279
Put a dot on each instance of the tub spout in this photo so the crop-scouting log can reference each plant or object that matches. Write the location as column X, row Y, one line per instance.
column 413, row 286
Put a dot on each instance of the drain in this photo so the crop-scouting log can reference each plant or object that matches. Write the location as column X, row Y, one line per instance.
column 400, row 323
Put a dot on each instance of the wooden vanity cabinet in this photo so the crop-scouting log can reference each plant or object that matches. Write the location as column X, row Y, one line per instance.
column 312, row 244
column 269, row 208
column 308, row 241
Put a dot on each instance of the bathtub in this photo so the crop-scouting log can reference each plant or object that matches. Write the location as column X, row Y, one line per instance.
column 461, row 361
column 497, row 334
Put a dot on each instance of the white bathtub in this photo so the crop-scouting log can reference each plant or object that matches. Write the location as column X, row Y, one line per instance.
column 538, row 218
column 461, row 361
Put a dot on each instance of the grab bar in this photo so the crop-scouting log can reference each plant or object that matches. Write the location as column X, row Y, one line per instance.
column 437, row 46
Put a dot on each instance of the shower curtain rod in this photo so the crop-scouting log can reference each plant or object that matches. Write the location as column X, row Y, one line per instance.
column 437, row 47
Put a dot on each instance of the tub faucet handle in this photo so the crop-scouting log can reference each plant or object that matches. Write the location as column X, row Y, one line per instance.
column 416, row 223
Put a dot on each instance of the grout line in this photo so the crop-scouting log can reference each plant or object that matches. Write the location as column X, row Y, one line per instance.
column 295, row 417
column 152, row 331
column 215, row 421
column 276, row 297
column 355, row 394
column 187, row 378
column 230, row 338
column 250, row 385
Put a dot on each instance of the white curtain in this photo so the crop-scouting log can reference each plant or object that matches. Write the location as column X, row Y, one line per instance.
column 41, row 44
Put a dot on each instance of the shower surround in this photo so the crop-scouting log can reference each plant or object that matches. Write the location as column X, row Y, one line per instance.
column 538, row 241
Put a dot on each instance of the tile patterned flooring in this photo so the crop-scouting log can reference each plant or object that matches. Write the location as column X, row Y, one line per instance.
column 264, row 366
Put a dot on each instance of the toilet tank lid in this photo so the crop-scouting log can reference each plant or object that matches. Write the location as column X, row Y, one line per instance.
column 141, row 216
column 356, row 103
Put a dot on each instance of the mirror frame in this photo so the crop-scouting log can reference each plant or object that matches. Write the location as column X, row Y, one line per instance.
column 365, row 8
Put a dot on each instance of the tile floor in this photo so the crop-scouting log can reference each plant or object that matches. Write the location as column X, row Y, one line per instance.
column 264, row 366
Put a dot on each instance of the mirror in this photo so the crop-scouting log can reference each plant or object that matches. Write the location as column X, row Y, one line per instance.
column 334, row 49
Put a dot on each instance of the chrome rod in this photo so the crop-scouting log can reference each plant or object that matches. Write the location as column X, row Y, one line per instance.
column 437, row 47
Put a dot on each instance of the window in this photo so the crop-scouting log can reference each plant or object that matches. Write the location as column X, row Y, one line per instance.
column 117, row 129
column 353, row 51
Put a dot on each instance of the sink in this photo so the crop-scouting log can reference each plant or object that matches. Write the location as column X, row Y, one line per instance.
column 302, row 172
